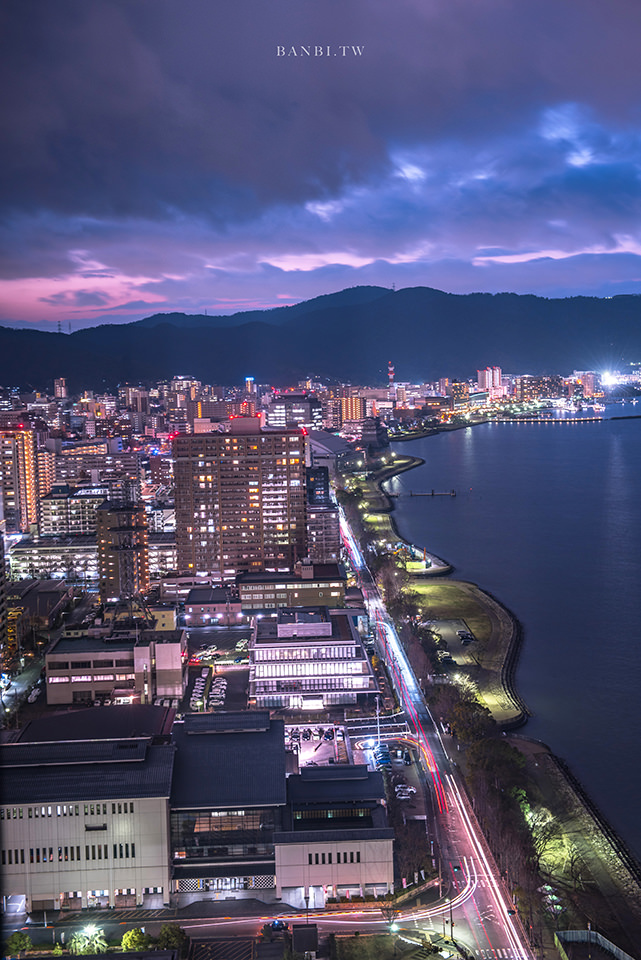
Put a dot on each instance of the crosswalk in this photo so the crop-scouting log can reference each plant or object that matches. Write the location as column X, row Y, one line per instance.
column 497, row 954
column 119, row 916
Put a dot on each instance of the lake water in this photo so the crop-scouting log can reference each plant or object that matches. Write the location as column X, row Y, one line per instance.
column 547, row 518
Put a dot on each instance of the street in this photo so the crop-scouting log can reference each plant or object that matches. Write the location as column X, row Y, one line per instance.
column 476, row 913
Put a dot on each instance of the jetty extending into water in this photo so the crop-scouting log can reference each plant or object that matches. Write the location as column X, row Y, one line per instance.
column 427, row 493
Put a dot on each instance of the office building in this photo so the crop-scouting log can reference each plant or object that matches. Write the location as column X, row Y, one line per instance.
column 119, row 663
column 123, row 550
column 240, row 500
column 308, row 659
column 295, row 410
column 309, row 585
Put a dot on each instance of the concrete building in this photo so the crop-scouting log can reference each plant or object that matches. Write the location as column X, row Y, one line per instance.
column 5, row 654
column 60, row 388
column 227, row 799
column 323, row 533
column 207, row 605
column 335, row 840
column 240, row 500
column 310, row 584
column 295, row 410
column 85, row 824
column 308, row 659
column 65, row 512
column 123, row 550
column 196, row 809
column 123, row 664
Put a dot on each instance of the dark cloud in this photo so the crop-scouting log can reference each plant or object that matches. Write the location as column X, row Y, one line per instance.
column 164, row 148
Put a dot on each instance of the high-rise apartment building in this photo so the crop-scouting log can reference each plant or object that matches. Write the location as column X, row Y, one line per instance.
column 60, row 388
column 240, row 500
column 123, row 550
column 353, row 408
column 3, row 604
column 18, row 478
column 490, row 379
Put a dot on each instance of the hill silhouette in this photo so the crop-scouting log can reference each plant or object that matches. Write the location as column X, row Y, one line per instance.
column 347, row 336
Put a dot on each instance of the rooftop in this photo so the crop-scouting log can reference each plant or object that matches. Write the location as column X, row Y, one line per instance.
column 336, row 783
column 224, row 760
column 81, row 770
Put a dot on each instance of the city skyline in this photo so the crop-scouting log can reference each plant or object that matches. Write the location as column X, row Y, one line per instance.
column 172, row 158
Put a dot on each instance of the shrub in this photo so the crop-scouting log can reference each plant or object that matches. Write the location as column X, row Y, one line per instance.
column 18, row 942
column 135, row 941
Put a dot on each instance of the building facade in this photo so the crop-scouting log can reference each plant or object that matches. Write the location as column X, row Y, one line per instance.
column 123, row 550
column 240, row 500
column 128, row 665
column 308, row 659
column 309, row 585
column 18, row 478
column 87, row 826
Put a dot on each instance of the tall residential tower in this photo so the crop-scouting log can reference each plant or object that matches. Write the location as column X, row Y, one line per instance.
column 240, row 500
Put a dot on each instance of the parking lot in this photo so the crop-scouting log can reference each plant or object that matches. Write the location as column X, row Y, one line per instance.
column 317, row 744
column 218, row 669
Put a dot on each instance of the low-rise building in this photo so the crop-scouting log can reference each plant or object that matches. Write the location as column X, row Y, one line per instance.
column 121, row 665
column 196, row 809
column 209, row 605
column 308, row 658
column 310, row 584
column 85, row 824
column 227, row 800
column 336, row 840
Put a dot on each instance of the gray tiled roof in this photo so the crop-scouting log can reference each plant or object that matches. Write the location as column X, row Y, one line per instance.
column 336, row 789
column 83, row 770
column 229, row 760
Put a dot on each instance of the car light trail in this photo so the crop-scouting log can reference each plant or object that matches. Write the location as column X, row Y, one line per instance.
column 452, row 806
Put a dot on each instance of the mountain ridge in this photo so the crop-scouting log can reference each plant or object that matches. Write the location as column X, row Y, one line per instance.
column 349, row 336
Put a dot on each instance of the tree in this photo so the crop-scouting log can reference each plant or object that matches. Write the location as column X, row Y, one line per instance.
column 18, row 942
column 89, row 941
column 171, row 937
column 135, row 941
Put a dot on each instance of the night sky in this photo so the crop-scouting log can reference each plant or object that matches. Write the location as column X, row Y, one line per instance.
column 160, row 155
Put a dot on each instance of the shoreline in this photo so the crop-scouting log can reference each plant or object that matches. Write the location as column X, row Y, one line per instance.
column 581, row 818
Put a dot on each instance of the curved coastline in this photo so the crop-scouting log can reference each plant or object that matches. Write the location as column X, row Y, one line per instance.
column 575, row 807
column 511, row 631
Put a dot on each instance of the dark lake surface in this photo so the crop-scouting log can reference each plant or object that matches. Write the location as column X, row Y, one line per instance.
column 547, row 518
